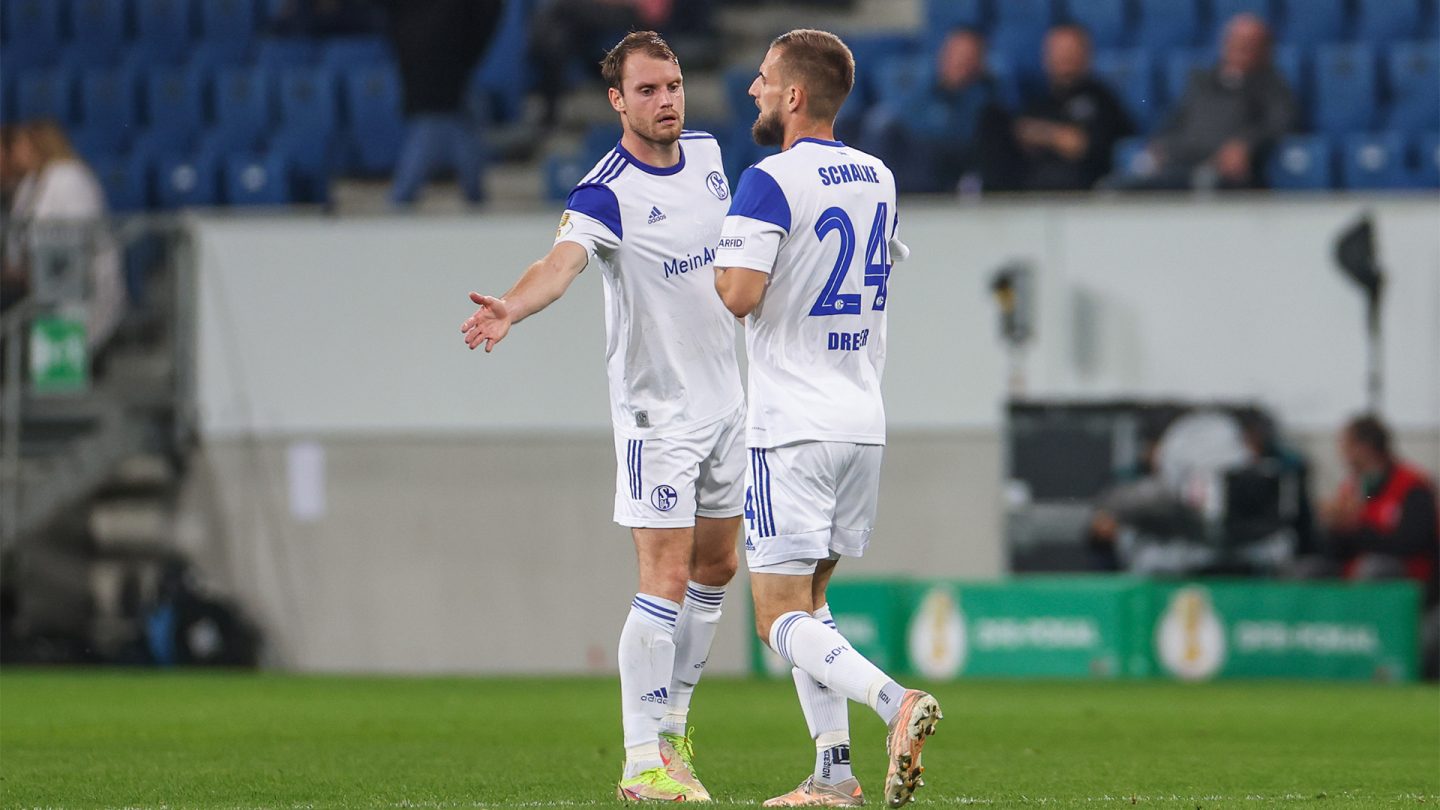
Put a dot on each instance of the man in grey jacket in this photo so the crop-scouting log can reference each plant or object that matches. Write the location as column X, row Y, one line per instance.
column 1227, row 118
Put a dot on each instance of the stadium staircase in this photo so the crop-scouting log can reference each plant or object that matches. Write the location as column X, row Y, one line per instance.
column 89, row 479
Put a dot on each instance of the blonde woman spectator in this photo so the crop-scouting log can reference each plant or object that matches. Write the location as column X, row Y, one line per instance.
column 58, row 188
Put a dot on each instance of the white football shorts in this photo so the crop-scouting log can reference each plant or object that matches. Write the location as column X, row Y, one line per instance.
column 810, row 501
column 666, row 483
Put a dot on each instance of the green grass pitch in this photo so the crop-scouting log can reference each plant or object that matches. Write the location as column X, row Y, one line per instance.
column 104, row 739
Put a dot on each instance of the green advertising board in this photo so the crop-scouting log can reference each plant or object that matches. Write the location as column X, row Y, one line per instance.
column 1049, row 628
column 59, row 360
column 1119, row 627
column 1247, row 629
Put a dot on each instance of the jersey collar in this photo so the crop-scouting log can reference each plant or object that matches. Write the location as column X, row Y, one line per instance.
column 820, row 141
column 647, row 168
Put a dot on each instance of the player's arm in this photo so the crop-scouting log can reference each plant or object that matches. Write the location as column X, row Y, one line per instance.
column 541, row 285
column 740, row 288
column 758, row 221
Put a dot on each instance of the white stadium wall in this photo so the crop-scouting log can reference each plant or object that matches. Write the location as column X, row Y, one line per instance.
column 355, row 448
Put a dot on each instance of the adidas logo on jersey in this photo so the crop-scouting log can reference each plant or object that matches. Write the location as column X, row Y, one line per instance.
column 655, row 215
column 661, row 695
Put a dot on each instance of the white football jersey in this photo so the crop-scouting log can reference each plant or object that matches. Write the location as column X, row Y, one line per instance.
column 669, row 341
column 820, row 219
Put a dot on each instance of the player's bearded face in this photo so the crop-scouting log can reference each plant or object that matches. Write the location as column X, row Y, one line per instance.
column 654, row 99
column 769, row 129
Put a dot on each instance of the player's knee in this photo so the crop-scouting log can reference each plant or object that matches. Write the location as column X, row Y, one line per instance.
column 717, row 571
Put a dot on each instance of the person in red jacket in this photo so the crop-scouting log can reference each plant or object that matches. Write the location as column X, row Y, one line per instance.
column 1382, row 522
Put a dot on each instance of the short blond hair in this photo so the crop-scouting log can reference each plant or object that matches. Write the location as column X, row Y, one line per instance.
column 821, row 63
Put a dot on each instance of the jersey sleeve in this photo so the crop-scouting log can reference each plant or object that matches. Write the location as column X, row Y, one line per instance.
column 759, row 219
column 591, row 220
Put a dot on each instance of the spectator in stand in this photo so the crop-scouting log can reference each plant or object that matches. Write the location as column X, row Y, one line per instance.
column 949, row 131
column 1228, row 118
column 58, row 190
column 12, row 281
column 1065, row 136
column 1382, row 523
column 324, row 18
column 438, row 43
column 564, row 29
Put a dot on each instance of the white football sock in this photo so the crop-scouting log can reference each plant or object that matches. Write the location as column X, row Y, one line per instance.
column 828, row 716
column 694, row 632
column 824, row 654
column 647, row 662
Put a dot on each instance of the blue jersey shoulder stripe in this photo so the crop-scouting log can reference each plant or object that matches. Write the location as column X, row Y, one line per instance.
column 599, row 203
column 689, row 134
column 614, row 171
column 759, row 197
column 605, row 164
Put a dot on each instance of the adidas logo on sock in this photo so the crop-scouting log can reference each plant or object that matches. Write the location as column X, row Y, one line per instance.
column 661, row 696
column 655, row 215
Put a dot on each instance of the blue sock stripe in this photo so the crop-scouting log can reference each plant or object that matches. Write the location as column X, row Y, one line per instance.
column 699, row 594
column 713, row 601
column 782, row 636
column 830, row 623
column 656, row 606
column 669, row 620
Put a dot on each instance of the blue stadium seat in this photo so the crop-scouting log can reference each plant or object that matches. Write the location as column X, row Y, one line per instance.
column 207, row 59
column 228, row 24
column 345, row 54
column 1304, row 162
column 1167, row 23
column 501, row 80
column 174, row 102
column 1290, row 61
column 1179, row 66
column 870, row 50
column 1131, row 75
column 944, row 15
column 1381, row 21
column 97, row 142
column 1426, row 172
column 1344, row 88
column 97, row 30
column 125, row 180
column 308, row 99
column 1374, row 161
column 1314, row 22
column 1007, row 79
column 257, row 180
column 737, row 92
column 282, row 54
column 1032, row 15
column 152, row 147
column 377, row 124
column 108, row 99
column 46, row 93
column 311, row 159
column 244, row 103
column 1412, row 71
column 7, row 97
column 560, row 173
column 907, row 79
column 1221, row 11
column 1106, row 20
column 162, row 29
column 1128, row 156
column 32, row 33
column 220, row 143
column 186, row 181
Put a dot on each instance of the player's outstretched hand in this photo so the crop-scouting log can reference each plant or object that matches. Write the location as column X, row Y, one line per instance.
column 489, row 324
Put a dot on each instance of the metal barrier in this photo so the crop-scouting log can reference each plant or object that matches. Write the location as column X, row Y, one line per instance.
column 63, row 435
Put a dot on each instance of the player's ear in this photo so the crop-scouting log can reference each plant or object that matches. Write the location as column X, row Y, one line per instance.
column 796, row 102
column 617, row 100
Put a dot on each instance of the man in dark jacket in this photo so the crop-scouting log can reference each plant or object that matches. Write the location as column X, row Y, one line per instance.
column 438, row 43
column 1227, row 119
column 1066, row 135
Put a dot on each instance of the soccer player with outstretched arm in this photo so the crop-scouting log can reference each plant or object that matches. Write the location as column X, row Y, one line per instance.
column 649, row 217
column 805, row 256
